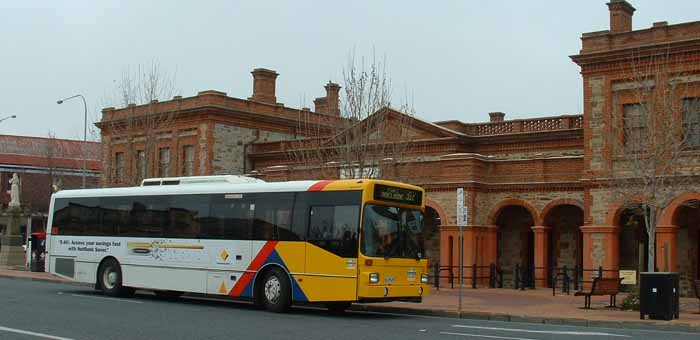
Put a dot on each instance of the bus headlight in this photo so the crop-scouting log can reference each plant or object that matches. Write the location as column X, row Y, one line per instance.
column 373, row 277
column 424, row 278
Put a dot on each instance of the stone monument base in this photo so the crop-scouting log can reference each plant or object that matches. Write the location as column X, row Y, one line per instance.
column 12, row 253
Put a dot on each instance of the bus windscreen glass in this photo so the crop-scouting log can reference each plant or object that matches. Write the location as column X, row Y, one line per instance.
column 392, row 232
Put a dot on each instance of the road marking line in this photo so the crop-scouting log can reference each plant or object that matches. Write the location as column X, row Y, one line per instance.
column 485, row 336
column 39, row 335
column 541, row 331
column 104, row 298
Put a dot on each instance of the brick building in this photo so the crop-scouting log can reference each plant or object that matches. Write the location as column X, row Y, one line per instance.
column 666, row 57
column 43, row 165
column 535, row 188
column 210, row 133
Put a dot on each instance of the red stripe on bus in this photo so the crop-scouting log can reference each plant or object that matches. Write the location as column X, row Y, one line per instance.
column 320, row 185
column 259, row 260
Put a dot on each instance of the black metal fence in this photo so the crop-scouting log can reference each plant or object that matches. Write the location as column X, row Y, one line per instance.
column 473, row 274
column 524, row 277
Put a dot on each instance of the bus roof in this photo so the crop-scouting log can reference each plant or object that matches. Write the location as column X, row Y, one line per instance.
column 214, row 188
column 232, row 179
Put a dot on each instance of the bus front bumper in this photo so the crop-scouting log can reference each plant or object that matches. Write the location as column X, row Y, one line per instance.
column 387, row 293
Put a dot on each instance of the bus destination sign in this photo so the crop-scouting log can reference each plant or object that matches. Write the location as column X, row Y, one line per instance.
column 399, row 195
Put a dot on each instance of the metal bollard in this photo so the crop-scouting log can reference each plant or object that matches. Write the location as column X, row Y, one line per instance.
column 474, row 276
column 565, row 281
column 436, row 275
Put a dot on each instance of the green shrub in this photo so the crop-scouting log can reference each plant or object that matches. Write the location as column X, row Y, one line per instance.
column 631, row 301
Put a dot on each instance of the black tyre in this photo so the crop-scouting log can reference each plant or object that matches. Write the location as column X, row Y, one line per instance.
column 109, row 277
column 338, row 307
column 168, row 294
column 275, row 292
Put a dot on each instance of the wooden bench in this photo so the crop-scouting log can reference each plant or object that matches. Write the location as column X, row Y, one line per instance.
column 696, row 288
column 602, row 286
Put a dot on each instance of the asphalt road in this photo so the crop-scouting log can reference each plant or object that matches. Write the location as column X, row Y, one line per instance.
column 43, row 310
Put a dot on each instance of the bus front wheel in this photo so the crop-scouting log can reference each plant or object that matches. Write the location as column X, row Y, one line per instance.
column 109, row 277
column 275, row 291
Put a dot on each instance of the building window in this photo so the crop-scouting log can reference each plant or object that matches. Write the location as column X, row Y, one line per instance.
column 188, row 160
column 140, row 165
column 691, row 120
column 164, row 166
column 635, row 124
column 119, row 167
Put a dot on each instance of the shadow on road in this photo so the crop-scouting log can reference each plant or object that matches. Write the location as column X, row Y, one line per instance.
column 224, row 302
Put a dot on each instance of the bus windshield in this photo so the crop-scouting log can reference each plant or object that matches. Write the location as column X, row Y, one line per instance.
column 392, row 232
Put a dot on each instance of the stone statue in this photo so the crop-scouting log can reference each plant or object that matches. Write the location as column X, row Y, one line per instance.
column 14, row 191
column 57, row 185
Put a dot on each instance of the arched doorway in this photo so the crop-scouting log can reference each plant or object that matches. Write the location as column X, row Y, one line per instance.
column 515, row 240
column 634, row 240
column 431, row 234
column 687, row 218
column 565, row 244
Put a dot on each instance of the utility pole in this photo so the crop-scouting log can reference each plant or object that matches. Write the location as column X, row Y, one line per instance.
column 84, row 132
column 461, row 223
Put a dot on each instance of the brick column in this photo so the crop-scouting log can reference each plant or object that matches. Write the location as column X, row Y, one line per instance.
column 471, row 247
column 601, row 248
column 667, row 248
column 541, row 254
column 479, row 248
column 449, row 252
column 490, row 252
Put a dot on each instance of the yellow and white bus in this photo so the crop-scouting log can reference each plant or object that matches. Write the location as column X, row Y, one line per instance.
column 333, row 242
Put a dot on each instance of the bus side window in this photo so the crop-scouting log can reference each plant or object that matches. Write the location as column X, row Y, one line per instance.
column 230, row 218
column 116, row 215
column 273, row 217
column 334, row 228
column 300, row 216
column 77, row 216
column 60, row 216
column 186, row 215
column 150, row 215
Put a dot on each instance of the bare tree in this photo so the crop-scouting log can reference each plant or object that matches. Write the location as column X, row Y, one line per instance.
column 139, row 131
column 369, row 141
column 51, row 152
column 653, row 136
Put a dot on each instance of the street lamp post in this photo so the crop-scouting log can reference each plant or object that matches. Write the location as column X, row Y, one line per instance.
column 84, row 132
column 6, row 118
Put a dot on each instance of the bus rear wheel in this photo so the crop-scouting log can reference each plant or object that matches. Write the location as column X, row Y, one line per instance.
column 275, row 292
column 109, row 277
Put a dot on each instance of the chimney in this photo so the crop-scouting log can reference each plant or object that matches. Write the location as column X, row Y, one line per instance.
column 321, row 105
column 497, row 116
column 620, row 16
column 264, row 86
column 333, row 98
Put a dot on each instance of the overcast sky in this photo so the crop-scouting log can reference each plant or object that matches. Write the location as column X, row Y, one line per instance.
column 460, row 59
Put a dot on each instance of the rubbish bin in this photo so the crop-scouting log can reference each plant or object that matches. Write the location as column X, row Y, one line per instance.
column 658, row 296
column 38, row 250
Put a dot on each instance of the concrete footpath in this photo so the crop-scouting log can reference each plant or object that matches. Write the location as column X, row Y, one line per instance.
column 529, row 306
